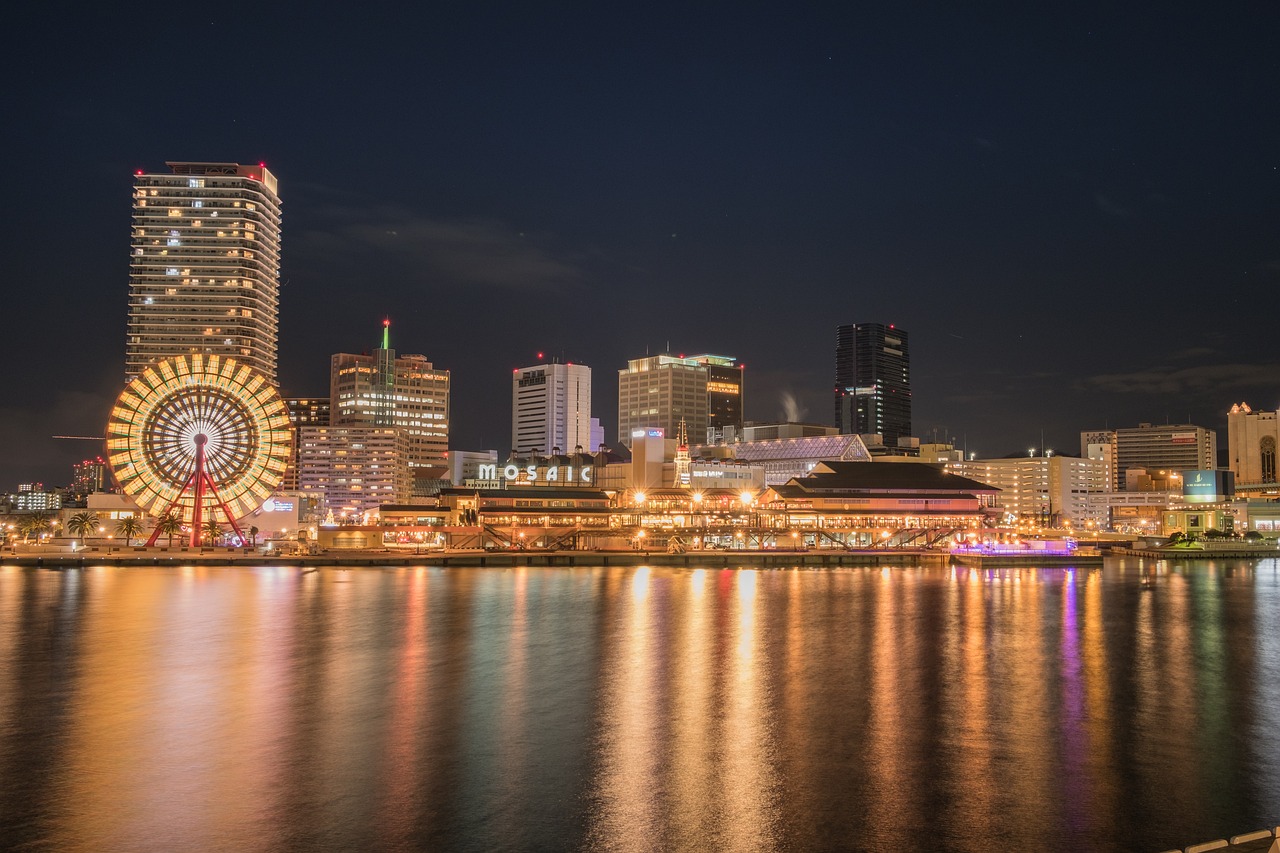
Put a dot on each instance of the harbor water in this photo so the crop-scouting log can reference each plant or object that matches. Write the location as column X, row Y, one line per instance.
column 1132, row 707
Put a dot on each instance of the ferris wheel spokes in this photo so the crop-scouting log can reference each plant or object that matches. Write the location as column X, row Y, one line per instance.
column 198, row 482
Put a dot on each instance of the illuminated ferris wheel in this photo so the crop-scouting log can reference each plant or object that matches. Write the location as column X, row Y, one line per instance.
column 195, row 435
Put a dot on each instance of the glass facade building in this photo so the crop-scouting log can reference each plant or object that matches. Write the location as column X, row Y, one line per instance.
column 873, row 381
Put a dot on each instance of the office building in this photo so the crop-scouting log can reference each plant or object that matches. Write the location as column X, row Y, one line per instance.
column 353, row 469
column 724, row 392
column 205, row 272
column 389, row 390
column 664, row 392
column 1153, row 447
column 873, row 381
column 551, row 408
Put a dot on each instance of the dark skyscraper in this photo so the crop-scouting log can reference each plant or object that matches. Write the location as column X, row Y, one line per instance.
column 873, row 381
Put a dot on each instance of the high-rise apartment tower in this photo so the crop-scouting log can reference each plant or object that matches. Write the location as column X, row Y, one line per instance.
column 205, row 271
column 873, row 381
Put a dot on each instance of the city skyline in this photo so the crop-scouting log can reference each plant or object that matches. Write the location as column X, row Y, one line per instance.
column 1074, row 215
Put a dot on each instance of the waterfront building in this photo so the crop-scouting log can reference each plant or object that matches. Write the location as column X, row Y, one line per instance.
column 1172, row 447
column 662, row 391
column 1046, row 491
column 353, row 469
column 388, row 390
column 110, row 507
column 1140, row 513
column 205, row 269
column 867, row 504
column 551, row 408
column 1252, row 440
column 873, row 381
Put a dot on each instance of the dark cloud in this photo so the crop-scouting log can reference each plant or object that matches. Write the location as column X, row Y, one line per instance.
column 466, row 251
column 1187, row 380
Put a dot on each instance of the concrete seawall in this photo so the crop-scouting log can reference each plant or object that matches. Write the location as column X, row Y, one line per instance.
column 498, row 559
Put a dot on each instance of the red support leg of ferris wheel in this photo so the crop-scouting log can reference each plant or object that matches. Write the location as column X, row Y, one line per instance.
column 198, row 482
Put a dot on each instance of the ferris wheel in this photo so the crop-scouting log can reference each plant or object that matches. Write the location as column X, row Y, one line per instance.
column 195, row 434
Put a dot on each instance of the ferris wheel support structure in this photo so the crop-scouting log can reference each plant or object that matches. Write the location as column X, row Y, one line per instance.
column 198, row 482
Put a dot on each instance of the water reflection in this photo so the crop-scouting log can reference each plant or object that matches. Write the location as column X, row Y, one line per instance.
column 648, row 708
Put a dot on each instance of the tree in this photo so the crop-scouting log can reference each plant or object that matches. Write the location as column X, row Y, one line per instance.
column 1176, row 537
column 1253, row 536
column 253, row 536
column 212, row 530
column 83, row 524
column 169, row 525
column 130, row 528
column 34, row 525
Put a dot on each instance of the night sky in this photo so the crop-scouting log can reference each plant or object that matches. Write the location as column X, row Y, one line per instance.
column 1072, row 210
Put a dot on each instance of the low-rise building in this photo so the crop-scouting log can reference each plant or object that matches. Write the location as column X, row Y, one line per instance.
column 1047, row 491
column 878, row 503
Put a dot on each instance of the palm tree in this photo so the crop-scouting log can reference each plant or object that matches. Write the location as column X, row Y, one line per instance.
column 253, row 536
column 212, row 530
column 83, row 524
column 169, row 525
column 34, row 525
column 130, row 528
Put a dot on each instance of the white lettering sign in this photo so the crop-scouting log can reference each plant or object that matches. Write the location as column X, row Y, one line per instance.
column 554, row 473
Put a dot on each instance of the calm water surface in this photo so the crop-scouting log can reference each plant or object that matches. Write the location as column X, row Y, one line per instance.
column 638, row 709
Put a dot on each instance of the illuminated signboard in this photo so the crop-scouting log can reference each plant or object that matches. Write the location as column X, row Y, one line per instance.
column 529, row 473
column 652, row 432
column 1199, row 487
column 1183, row 438
column 274, row 505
